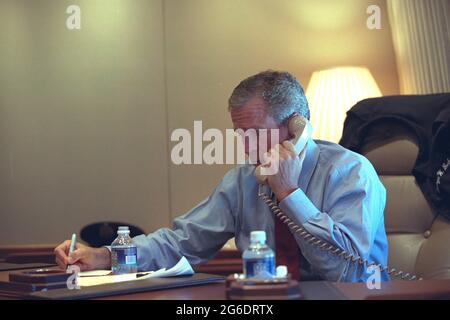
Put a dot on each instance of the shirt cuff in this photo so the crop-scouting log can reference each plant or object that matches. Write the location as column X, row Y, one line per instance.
column 298, row 206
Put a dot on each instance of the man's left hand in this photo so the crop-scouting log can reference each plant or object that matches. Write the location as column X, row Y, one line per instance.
column 285, row 181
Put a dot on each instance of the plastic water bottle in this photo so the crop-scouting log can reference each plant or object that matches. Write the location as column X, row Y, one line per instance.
column 258, row 259
column 123, row 253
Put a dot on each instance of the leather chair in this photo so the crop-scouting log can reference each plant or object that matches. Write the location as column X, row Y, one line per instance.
column 418, row 238
column 103, row 233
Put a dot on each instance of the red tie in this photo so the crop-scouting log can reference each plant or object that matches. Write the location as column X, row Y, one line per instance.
column 287, row 250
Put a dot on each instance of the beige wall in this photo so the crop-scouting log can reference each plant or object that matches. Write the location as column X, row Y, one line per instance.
column 86, row 116
column 82, row 118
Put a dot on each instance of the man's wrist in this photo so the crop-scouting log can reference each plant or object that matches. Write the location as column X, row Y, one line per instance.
column 104, row 258
column 284, row 193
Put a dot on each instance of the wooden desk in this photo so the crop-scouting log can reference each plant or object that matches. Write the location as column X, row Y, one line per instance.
column 398, row 289
column 425, row 289
column 229, row 261
column 7, row 250
column 224, row 263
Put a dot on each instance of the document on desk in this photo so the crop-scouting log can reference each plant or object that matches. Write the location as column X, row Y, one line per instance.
column 98, row 277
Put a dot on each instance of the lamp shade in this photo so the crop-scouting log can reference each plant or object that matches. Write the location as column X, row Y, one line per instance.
column 332, row 92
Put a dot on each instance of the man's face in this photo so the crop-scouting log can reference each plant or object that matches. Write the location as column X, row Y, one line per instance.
column 253, row 115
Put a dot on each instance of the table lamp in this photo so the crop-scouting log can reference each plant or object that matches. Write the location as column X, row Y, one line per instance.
column 332, row 92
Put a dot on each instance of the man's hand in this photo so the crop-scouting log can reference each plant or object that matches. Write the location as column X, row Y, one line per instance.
column 85, row 257
column 285, row 181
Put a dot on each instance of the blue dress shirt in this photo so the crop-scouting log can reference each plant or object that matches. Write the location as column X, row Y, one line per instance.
column 340, row 199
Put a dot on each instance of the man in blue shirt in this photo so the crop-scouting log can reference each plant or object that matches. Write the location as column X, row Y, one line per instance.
column 333, row 193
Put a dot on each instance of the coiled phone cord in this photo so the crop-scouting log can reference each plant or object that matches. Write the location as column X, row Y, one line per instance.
column 325, row 246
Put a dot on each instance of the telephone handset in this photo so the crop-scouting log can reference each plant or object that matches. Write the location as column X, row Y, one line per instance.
column 301, row 129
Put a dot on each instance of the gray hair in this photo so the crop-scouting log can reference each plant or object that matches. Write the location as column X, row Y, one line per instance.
column 280, row 90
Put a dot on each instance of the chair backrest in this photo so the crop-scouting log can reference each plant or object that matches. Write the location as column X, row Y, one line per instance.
column 103, row 233
column 418, row 238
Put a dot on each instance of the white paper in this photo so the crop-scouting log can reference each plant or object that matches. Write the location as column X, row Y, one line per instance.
column 98, row 277
column 94, row 273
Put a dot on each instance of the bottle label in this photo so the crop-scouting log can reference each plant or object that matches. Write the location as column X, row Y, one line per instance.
column 262, row 267
column 125, row 255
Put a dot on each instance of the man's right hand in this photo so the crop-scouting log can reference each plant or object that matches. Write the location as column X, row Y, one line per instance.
column 85, row 257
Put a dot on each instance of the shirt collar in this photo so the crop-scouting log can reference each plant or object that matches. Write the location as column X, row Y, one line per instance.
column 309, row 164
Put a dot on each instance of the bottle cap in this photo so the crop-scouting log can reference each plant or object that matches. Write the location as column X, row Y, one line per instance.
column 258, row 236
column 123, row 229
column 281, row 271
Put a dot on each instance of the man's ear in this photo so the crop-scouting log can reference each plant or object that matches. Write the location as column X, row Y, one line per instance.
column 286, row 124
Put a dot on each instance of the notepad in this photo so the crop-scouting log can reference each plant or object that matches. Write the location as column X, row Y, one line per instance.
column 99, row 277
